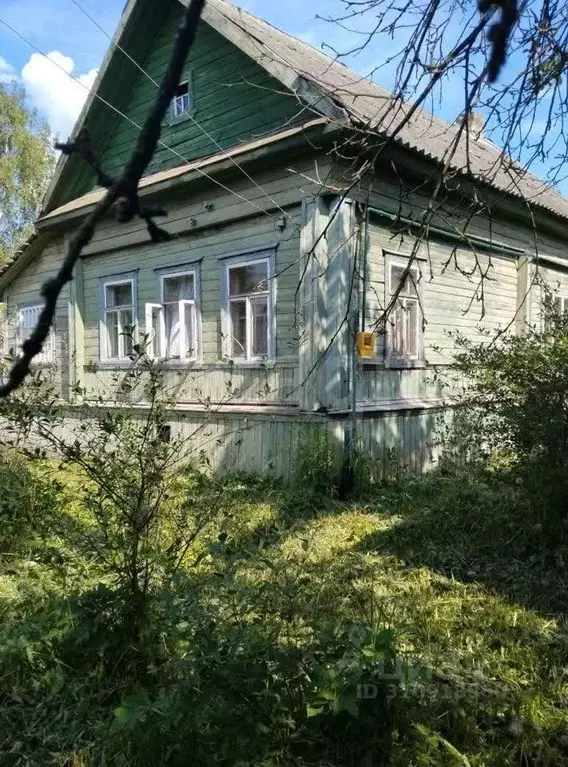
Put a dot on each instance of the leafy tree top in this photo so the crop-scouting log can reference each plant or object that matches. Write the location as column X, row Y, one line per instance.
column 26, row 160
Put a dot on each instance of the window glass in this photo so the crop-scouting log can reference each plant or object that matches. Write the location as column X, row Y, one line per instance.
column 409, row 287
column 405, row 317
column 172, row 326
column 178, row 288
column 118, row 320
column 251, row 278
column 119, row 295
column 190, row 343
column 181, row 103
column 27, row 322
column 113, row 335
column 249, row 310
column 155, row 332
column 259, row 307
column 239, row 328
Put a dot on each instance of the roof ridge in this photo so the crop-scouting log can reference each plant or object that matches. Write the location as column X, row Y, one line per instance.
column 283, row 32
column 426, row 133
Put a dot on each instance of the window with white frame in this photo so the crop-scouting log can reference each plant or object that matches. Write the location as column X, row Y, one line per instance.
column 182, row 101
column 405, row 321
column 118, row 320
column 249, row 309
column 28, row 317
column 172, row 325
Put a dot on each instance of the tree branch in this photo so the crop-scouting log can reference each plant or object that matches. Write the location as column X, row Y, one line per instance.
column 123, row 193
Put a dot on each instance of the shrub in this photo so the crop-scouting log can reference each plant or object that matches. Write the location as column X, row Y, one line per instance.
column 515, row 399
column 316, row 464
column 143, row 508
column 28, row 503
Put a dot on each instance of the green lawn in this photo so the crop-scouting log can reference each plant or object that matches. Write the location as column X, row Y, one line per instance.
column 439, row 594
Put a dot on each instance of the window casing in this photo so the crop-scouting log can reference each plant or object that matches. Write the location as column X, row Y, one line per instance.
column 118, row 321
column 172, row 326
column 28, row 317
column 405, row 323
column 561, row 304
column 249, row 309
column 182, row 103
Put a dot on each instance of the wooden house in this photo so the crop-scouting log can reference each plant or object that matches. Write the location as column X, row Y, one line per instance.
column 285, row 247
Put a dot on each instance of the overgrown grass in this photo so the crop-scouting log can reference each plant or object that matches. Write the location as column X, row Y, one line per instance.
column 424, row 626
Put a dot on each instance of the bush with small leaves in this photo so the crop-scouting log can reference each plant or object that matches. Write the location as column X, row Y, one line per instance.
column 514, row 394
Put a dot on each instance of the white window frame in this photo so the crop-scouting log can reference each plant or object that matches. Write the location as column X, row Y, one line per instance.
column 107, row 282
column 194, row 303
column 47, row 356
column 396, row 260
column 250, row 259
column 176, row 115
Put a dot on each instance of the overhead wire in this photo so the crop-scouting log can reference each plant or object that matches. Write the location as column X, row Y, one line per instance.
column 134, row 123
column 189, row 115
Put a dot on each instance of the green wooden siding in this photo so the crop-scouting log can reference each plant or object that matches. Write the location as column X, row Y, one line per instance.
column 211, row 378
column 234, row 100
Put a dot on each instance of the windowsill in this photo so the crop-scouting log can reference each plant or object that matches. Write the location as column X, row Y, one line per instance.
column 111, row 365
column 173, row 121
column 394, row 364
column 197, row 364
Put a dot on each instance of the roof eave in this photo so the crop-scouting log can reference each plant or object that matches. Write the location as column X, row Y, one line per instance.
column 210, row 166
column 35, row 244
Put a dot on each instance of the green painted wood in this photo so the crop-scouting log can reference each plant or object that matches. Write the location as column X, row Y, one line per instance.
column 234, row 100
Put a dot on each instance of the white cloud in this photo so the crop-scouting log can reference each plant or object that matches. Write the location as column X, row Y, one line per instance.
column 54, row 92
column 7, row 71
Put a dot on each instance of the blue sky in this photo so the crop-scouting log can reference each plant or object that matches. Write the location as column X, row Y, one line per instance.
column 60, row 29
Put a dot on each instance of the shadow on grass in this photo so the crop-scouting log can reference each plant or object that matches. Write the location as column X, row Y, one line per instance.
column 475, row 526
column 235, row 643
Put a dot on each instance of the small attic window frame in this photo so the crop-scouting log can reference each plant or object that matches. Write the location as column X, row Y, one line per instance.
column 174, row 118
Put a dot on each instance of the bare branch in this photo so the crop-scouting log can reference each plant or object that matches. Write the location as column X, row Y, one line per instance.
column 123, row 192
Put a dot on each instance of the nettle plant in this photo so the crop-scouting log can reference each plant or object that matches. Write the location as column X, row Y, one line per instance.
column 139, row 482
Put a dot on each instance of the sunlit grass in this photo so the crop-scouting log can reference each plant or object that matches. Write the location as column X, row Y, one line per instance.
column 445, row 561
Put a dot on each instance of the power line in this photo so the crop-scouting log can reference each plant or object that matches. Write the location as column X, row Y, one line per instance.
column 133, row 122
column 193, row 120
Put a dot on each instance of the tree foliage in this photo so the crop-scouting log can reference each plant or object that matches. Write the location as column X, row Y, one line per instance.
column 26, row 160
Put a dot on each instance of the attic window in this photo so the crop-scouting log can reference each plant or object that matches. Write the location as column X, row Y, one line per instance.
column 181, row 103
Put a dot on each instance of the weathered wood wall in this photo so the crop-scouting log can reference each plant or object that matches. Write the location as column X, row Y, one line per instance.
column 398, row 408
column 26, row 291
column 208, row 224
column 233, row 97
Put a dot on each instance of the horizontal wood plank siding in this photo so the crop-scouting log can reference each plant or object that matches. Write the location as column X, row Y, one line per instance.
column 450, row 301
column 206, row 236
column 546, row 278
column 234, row 99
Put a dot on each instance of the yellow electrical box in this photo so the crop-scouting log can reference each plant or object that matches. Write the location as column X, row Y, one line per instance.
column 366, row 344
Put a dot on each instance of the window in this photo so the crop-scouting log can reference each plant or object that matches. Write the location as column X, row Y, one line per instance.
column 181, row 102
column 561, row 304
column 249, row 309
column 28, row 317
column 119, row 319
column 172, row 325
column 405, row 322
